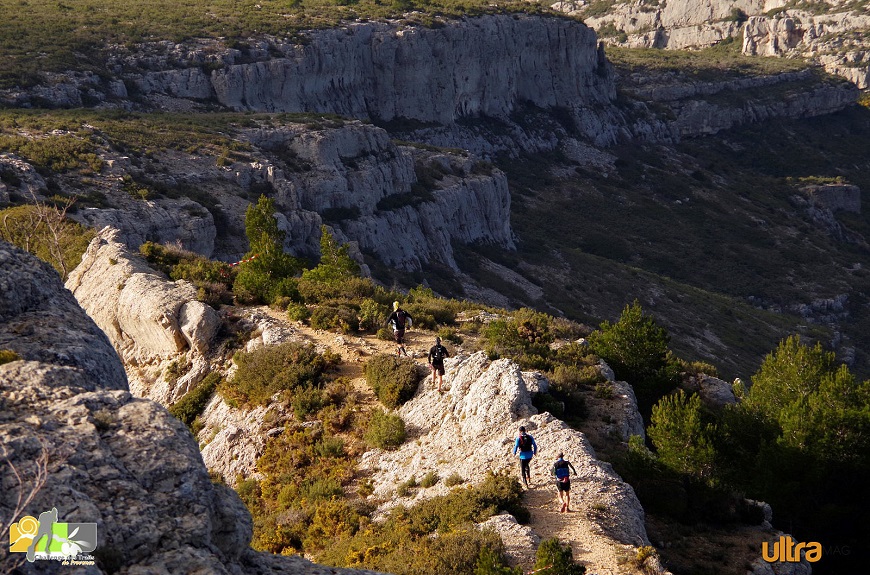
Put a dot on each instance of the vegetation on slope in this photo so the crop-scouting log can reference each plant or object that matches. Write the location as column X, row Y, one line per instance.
column 706, row 235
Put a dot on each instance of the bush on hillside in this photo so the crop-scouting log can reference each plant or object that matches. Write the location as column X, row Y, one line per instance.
column 8, row 356
column 393, row 379
column 558, row 557
column 349, row 289
column 385, row 430
column 335, row 315
column 213, row 280
column 46, row 232
column 272, row 369
column 525, row 338
column 193, row 403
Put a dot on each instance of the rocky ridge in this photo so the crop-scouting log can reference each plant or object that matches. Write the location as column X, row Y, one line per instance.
column 150, row 321
column 482, row 66
column 833, row 34
column 109, row 457
column 403, row 205
column 476, row 421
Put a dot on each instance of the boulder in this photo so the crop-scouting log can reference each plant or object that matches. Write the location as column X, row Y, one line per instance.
column 150, row 320
column 103, row 455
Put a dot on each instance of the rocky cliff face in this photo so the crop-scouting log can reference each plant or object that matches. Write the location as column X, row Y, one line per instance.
column 150, row 321
column 831, row 33
column 109, row 458
column 696, row 108
column 402, row 204
column 480, row 66
column 838, row 40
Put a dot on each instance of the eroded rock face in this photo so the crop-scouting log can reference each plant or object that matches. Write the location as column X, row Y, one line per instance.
column 470, row 431
column 182, row 221
column 42, row 322
column 385, row 209
column 112, row 459
column 837, row 40
column 149, row 320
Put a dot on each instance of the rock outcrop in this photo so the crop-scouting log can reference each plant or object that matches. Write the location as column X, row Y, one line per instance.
column 42, row 322
column 107, row 457
column 838, row 40
column 406, row 206
column 701, row 108
column 477, row 421
column 183, row 222
column 834, row 34
column 149, row 320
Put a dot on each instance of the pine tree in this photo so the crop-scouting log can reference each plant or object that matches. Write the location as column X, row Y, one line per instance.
column 637, row 350
column 683, row 441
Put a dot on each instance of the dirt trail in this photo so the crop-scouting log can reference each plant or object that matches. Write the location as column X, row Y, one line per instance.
column 574, row 528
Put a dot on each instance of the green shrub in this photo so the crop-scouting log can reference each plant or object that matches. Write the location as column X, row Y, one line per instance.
column 571, row 377
column 372, row 315
column 558, row 557
column 273, row 369
column 385, row 334
column 403, row 489
column 306, row 402
column 546, row 402
column 604, row 390
column 193, row 403
column 349, row 289
column 320, row 489
column 450, row 334
column 7, row 356
column 393, row 379
column 339, row 316
column 213, row 279
column 525, row 338
column 430, row 479
column 46, row 232
column 297, row 312
column 385, row 431
column 489, row 563
column 453, row 480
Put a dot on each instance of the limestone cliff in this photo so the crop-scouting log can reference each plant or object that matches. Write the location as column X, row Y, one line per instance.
column 150, row 321
column 108, row 457
column 833, row 34
column 482, row 66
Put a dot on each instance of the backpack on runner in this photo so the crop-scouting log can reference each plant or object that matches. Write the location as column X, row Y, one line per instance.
column 401, row 319
column 525, row 442
column 561, row 470
column 438, row 353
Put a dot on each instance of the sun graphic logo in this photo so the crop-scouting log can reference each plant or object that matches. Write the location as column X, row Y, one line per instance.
column 46, row 538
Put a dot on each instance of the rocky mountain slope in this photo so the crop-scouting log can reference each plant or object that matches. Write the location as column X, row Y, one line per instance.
column 832, row 33
column 75, row 438
column 470, row 431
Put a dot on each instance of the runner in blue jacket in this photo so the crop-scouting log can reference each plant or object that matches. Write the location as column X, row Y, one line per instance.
column 527, row 447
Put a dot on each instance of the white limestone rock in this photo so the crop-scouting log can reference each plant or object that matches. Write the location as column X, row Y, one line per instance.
column 182, row 221
column 121, row 462
column 476, row 423
column 150, row 320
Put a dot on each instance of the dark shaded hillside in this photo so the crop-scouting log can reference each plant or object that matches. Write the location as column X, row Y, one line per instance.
column 709, row 235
